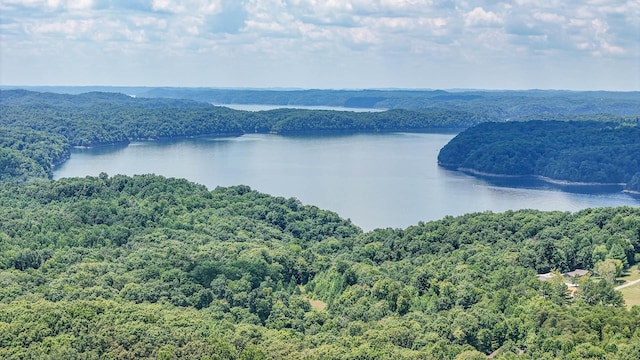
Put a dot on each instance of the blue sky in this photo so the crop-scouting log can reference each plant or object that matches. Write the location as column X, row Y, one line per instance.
column 521, row 44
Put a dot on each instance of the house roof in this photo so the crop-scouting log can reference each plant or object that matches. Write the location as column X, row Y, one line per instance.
column 569, row 275
column 576, row 273
column 547, row 276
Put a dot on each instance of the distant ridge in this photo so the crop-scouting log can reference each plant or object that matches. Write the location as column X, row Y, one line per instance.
column 500, row 105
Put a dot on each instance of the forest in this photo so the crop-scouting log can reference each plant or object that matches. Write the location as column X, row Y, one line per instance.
column 92, row 119
column 497, row 105
column 37, row 130
column 56, row 122
column 583, row 152
column 151, row 267
column 27, row 154
column 147, row 267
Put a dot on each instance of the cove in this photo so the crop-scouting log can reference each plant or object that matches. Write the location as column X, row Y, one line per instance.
column 376, row 180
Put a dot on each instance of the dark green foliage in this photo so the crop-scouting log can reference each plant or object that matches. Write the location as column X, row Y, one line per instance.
column 634, row 183
column 93, row 119
column 15, row 166
column 102, row 118
column 27, row 154
column 289, row 121
column 600, row 292
column 590, row 152
column 150, row 267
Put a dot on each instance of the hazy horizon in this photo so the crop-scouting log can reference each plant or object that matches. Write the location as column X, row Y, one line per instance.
column 307, row 44
column 62, row 86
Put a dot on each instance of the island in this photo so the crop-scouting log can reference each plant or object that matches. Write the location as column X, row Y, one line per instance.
column 572, row 152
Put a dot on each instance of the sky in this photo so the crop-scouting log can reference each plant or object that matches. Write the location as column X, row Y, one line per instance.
column 330, row 44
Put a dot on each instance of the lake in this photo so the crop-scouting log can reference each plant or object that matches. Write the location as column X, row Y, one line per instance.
column 376, row 180
column 260, row 107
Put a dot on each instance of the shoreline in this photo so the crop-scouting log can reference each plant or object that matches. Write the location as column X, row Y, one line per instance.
column 575, row 183
column 320, row 132
column 481, row 173
column 129, row 141
column 312, row 132
column 153, row 139
column 537, row 177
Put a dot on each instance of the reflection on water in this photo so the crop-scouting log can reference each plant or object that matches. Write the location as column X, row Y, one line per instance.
column 376, row 180
column 539, row 184
column 101, row 150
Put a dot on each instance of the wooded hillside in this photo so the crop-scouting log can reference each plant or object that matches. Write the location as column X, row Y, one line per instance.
column 589, row 152
column 149, row 267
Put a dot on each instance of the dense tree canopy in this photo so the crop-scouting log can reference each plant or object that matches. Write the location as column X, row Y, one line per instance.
column 496, row 105
column 26, row 154
column 147, row 267
column 150, row 267
column 38, row 129
column 93, row 119
column 591, row 152
column 104, row 118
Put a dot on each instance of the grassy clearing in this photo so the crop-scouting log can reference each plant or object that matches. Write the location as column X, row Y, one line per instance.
column 319, row 305
column 631, row 275
column 631, row 295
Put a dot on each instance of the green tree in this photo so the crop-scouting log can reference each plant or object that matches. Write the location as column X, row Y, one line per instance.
column 609, row 269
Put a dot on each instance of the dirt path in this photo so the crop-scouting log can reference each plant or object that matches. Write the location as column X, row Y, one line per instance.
column 627, row 284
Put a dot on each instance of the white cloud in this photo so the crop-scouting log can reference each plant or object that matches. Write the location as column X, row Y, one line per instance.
column 310, row 33
column 190, row 6
column 167, row 5
column 537, row 4
column 72, row 28
column 52, row 4
column 602, row 38
column 612, row 49
column 549, row 17
column 148, row 21
column 79, row 4
column 479, row 17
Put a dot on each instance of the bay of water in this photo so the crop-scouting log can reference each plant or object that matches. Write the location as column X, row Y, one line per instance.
column 376, row 180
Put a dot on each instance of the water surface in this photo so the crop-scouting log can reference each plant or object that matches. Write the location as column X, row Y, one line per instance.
column 259, row 107
column 376, row 180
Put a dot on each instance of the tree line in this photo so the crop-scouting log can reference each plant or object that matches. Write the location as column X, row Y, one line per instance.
column 496, row 105
column 103, row 118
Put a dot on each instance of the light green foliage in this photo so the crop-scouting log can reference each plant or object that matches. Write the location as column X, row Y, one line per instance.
column 149, row 267
column 146, row 267
column 609, row 269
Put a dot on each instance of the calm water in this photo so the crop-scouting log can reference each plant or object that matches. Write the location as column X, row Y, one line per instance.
column 376, row 180
column 260, row 107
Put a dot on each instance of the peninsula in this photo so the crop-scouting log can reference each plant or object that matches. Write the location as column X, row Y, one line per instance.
column 586, row 152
